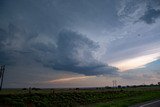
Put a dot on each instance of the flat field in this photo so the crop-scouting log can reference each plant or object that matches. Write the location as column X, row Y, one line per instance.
column 86, row 97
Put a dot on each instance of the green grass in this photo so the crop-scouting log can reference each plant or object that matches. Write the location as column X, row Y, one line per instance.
column 125, row 102
column 81, row 97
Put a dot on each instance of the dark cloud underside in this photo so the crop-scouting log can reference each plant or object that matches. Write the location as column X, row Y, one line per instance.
column 72, row 52
column 150, row 16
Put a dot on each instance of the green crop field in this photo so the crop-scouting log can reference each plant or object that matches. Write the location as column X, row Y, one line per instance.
column 93, row 97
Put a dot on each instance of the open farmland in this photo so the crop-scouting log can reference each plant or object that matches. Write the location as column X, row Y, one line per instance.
column 112, row 97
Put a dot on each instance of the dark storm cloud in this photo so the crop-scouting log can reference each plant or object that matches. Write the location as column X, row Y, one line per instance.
column 4, row 57
column 150, row 16
column 71, row 52
column 74, row 53
column 2, row 35
column 32, row 39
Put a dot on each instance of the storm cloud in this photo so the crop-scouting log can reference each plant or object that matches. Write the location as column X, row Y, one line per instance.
column 71, row 51
column 44, row 40
column 75, row 53
column 150, row 16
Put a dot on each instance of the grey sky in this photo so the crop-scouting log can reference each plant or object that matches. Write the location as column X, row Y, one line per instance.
column 87, row 39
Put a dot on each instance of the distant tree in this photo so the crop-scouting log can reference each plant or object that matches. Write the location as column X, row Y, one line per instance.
column 36, row 89
column 119, row 86
column 24, row 88
column 134, row 86
column 158, row 83
column 151, row 84
column 107, row 87
column 77, row 88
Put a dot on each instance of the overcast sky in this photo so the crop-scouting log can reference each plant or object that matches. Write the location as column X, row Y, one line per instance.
column 79, row 43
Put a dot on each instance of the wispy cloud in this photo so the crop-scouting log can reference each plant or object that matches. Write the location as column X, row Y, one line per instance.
column 136, row 62
column 69, row 79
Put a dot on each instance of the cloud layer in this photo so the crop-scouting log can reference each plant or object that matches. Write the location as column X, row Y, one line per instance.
column 150, row 16
column 77, row 38
column 71, row 52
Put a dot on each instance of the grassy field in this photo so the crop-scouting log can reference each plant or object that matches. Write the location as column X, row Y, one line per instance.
column 93, row 97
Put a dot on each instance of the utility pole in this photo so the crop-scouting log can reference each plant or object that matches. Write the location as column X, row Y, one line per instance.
column 1, row 75
column 114, row 83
